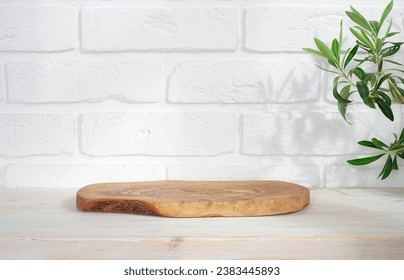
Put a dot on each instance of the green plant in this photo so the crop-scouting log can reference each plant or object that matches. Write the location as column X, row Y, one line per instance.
column 378, row 88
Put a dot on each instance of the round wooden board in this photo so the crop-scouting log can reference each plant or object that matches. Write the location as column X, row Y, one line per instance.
column 195, row 198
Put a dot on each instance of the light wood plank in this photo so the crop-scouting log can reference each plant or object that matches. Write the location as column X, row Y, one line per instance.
column 339, row 223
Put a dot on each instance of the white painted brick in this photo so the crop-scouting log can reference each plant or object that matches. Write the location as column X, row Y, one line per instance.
column 291, row 28
column 1, row 178
column 33, row 28
column 361, row 176
column 243, row 82
column 189, row 29
column 299, row 133
column 36, row 134
column 72, row 81
column 182, row 134
column 77, row 175
column 307, row 175
column 1, row 86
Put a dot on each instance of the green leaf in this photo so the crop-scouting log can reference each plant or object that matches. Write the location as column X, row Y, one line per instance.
column 385, row 108
column 383, row 144
column 363, row 91
column 335, row 48
column 360, row 38
column 336, row 94
column 379, row 144
column 397, row 70
column 332, row 63
column 393, row 62
column 351, row 55
column 386, row 12
column 391, row 34
column 400, row 90
column 401, row 155
column 375, row 26
column 380, row 66
column 390, row 51
column 401, row 138
column 372, row 77
column 388, row 30
column 327, row 70
column 356, row 17
column 385, row 97
column 342, row 106
column 401, row 79
column 364, row 161
column 388, row 166
column 379, row 45
column 324, row 49
column 314, row 52
column 368, row 41
column 365, row 48
column 395, row 165
column 359, row 73
column 340, row 37
column 381, row 80
column 395, row 138
column 369, row 144
column 396, row 147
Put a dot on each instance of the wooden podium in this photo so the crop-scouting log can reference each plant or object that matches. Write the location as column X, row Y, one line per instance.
column 195, row 198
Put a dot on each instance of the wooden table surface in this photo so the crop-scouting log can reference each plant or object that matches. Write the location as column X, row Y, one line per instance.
column 354, row 223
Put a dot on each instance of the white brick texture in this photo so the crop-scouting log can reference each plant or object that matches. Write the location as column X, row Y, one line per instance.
column 34, row 28
column 1, row 178
column 291, row 28
column 301, row 133
column 181, row 134
column 243, row 82
column 71, row 81
column 402, row 118
column 361, row 176
column 1, row 86
column 36, row 134
column 189, row 29
column 96, row 91
column 307, row 175
column 77, row 175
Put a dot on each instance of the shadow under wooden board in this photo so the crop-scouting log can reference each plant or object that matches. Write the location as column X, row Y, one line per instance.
column 195, row 198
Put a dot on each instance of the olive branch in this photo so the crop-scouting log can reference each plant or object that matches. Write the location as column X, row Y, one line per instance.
column 378, row 89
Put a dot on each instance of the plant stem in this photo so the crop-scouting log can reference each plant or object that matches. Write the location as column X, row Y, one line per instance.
column 345, row 76
column 395, row 151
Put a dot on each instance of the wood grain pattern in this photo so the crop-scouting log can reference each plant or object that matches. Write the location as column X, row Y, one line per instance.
column 195, row 198
column 341, row 223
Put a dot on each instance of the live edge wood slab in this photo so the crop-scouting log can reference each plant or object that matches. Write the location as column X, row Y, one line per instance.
column 195, row 198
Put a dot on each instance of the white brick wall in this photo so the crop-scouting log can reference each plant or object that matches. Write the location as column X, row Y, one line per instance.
column 36, row 134
column 291, row 28
column 62, row 81
column 33, row 28
column 297, row 133
column 363, row 176
column 166, row 134
column 77, row 175
column 114, row 29
column 1, row 87
column 1, row 178
column 243, row 82
column 94, row 91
